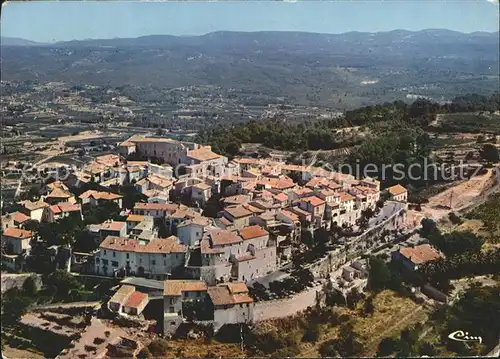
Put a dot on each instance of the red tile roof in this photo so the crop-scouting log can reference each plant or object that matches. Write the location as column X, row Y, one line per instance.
column 397, row 190
column 223, row 237
column 119, row 244
column 420, row 254
column 203, row 154
column 17, row 233
column 136, row 299
column 253, row 232
column 282, row 197
column 229, row 294
column 168, row 207
column 19, row 217
column 313, row 200
column 113, row 226
column 237, row 211
column 345, row 197
column 173, row 287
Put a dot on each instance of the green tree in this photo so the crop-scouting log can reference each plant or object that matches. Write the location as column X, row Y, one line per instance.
column 312, row 332
column 347, row 344
column 14, row 306
column 369, row 307
column 159, row 347
column 144, row 353
column 489, row 153
column 29, row 287
column 387, row 346
column 457, row 243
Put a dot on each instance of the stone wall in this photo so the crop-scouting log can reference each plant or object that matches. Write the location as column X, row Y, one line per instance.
column 280, row 308
column 17, row 280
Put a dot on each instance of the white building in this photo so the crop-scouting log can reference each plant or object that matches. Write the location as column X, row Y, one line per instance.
column 156, row 259
column 398, row 193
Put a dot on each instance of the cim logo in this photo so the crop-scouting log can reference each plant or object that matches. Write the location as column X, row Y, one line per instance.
column 461, row 336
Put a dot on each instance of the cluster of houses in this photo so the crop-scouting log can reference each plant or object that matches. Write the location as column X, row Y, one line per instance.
column 261, row 212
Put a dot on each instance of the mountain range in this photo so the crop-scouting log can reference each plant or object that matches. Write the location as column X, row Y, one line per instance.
column 307, row 67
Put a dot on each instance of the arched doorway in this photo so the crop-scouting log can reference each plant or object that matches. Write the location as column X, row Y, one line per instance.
column 140, row 271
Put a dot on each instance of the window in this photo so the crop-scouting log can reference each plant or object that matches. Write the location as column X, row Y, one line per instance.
column 104, row 252
column 105, row 262
column 114, row 254
column 164, row 255
column 128, row 256
column 153, row 262
column 97, row 260
column 114, row 263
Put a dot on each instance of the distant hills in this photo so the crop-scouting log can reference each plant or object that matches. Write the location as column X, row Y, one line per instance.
column 305, row 67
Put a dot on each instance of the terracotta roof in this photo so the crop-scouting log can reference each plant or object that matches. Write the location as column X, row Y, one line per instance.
column 119, row 244
column 203, row 154
column 223, row 237
column 65, row 207
column 202, row 186
column 113, row 226
column 282, row 197
column 397, row 190
column 313, row 200
column 163, row 245
column 34, row 205
column 220, row 296
column 135, row 218
column 253, row 232
column 238, row 199
column 122, row 294
column 160, row 182
column 100, row 195
column 206, row 249
column 302, row 191
column 109, row 160
column 185, row 213
column 18, row 217
column 176, row 287
column 278, row 183
column 57, row 184
column 318, row 181
column 290, row 215
column 224, row 221
column 136, row 299
column 237, row 211
column 126, row 144
column 17, row 233
column 59, row 193
column 345, row 197
column 229, row 294
column 420, row 254
column 200, row 221
column 168, row 207
column 253, row 209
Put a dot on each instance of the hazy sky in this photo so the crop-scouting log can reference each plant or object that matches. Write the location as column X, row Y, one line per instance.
column 64, row 20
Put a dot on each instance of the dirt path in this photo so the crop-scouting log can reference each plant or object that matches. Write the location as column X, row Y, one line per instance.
column 456, row 198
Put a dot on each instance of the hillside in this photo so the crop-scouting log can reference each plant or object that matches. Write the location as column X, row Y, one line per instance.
column 343, row 70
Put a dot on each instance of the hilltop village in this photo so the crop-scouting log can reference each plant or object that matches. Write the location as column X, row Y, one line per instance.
column 206, row 227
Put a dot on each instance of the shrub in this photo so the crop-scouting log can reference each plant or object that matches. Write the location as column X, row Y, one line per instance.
column 312, row 333
column 158, row 347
